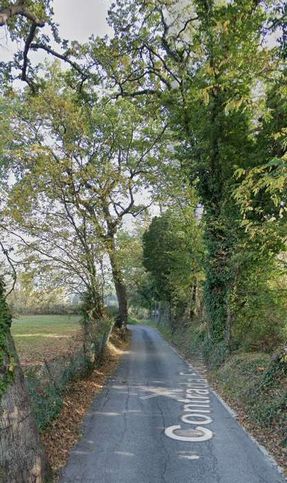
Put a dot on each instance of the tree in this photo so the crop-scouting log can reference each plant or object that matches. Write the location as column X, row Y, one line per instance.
column 261, row 197
column 32, row 296
column 130, row 258
column 173, row 255
column 21, row 453
column 197, row 60
column 24, row 21
column 93, row 160
column 90, row 154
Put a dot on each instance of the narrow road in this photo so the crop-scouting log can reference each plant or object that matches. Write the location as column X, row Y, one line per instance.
column 158, row 421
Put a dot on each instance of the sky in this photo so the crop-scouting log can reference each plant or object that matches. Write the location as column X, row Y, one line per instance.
column 79, row 22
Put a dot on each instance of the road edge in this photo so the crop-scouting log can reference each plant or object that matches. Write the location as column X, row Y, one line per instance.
column 267, row 456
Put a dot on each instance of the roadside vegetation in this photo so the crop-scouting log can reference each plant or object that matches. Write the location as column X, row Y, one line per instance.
column 50, row 349
column 150, row 165
column 253, row 383
column 40, row 338
column 51, row 353
column 63, row 432
column 248, row 366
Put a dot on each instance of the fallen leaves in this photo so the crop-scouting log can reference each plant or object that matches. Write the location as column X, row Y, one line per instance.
column 65, row 430
column 34, row 350
column 270, row 438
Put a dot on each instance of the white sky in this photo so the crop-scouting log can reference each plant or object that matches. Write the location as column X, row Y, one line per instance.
column 79, row 20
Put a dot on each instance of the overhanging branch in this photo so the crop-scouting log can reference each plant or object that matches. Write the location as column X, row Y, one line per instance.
column 65, row 58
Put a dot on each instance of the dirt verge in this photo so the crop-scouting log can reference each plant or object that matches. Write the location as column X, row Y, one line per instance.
column 64, row 432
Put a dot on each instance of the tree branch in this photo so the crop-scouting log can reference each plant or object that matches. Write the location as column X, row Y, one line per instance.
column 65, row 58
column 28, row 42
column 14, row 274
column 186, row 25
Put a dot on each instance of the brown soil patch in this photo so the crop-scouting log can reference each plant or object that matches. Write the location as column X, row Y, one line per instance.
column 64, row 432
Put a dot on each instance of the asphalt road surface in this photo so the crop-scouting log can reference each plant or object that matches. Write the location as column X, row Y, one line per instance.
column 158, row 421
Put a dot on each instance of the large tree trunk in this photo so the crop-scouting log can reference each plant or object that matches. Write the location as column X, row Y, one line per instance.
column 118, row 278
column 22, row 458
column 217, row 283
column 121, row 292
column 93, row 315
column 120, row 287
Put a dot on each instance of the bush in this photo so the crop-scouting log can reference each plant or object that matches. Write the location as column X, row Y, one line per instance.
column 46, row 385
column 260, row 384
column 46, row 401
column 214, row 354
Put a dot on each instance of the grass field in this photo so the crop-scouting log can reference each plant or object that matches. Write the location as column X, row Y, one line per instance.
column 39, row 337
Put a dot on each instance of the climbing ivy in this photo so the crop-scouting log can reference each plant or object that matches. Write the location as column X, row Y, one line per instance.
column 7, row 361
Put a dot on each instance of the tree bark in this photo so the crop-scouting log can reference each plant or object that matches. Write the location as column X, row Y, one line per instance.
column 93, row 315
column 22, row 458
column 120, row 287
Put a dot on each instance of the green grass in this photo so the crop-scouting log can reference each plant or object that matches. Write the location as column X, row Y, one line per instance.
column 45, row 324
column 39, row 337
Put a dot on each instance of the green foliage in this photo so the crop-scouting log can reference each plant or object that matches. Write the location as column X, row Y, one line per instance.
column 47, row 394
column 261, row 193
column 254, row 380
column 29, row 297
column 172, row 254
column 230, row 130
column 23, row 22
column 222, row 125
column 7, row 357
column 78, row 176
column 191, row 106
column 46, row 403
column 260, row 384
column 158, row 243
